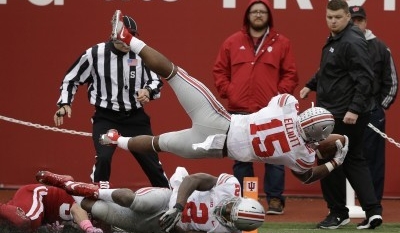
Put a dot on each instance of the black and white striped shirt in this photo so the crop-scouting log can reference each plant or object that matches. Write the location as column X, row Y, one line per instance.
column 113, row 78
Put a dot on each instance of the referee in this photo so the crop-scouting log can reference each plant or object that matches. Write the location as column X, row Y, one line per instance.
column 119, row 84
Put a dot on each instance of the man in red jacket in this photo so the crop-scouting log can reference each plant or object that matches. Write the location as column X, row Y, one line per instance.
column 252, row 66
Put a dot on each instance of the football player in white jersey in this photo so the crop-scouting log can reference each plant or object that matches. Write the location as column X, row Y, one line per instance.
column 275, row 134
column 197, row 203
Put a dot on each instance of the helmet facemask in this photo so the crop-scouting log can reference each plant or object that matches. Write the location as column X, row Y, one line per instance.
column 223, row 212
column 238, row 213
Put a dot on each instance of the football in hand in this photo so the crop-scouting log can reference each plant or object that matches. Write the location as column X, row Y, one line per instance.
column 327, row 148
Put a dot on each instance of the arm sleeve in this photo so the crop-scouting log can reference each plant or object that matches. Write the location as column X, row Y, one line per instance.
column 312, row 83
column 78, row 74
column 389, row 85
column 288, row 72
column 359, row 66
column 154, row 82
column 222, row 71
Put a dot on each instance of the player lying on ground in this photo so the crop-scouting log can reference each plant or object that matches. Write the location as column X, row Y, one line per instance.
column 35, row 205
column 276, row 134
column 177, row 210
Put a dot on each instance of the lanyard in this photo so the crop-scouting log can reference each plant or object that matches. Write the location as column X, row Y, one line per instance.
column 262, row 41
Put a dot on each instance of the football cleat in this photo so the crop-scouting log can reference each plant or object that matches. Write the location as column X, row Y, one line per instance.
column 119, row 31
column 49, row 178
column 110, row 138
column 83, row 190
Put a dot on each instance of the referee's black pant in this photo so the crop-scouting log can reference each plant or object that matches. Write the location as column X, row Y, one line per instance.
column 355, row 169
column 128, row 124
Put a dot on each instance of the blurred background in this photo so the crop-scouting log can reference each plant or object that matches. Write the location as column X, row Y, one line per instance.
column 41, row 38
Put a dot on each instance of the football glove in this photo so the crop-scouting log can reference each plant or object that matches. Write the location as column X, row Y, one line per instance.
column 171, row 218
column 341, row 151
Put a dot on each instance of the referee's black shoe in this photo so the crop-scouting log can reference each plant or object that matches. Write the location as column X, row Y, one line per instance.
column 333, row 221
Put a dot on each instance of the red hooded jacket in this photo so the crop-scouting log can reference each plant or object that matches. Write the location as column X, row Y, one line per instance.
column 250, row 80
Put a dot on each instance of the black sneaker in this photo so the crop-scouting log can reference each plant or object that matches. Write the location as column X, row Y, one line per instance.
column 333, row 221
column 370, row 223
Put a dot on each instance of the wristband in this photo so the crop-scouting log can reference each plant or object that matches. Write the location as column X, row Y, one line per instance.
column 329, row 166
column 178, row 207
column 136, row 45
column 123, row 142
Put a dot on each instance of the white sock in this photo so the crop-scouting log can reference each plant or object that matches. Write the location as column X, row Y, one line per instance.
column 136, row 45
column 123, row 142
column 105, row 194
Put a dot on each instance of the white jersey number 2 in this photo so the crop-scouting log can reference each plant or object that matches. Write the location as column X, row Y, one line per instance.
column 194, row 213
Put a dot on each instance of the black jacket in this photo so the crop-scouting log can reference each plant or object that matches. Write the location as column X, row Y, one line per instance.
column 386, row 80
column 345, row 77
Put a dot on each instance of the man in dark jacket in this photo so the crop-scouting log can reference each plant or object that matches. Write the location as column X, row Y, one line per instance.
column 344, row 86
column 384, row 92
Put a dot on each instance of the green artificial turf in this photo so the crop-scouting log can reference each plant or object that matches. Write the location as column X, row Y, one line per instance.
column 284, row 227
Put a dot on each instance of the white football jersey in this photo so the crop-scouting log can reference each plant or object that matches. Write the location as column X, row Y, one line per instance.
column 271, row 136
column 198, row 212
